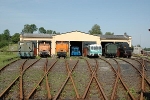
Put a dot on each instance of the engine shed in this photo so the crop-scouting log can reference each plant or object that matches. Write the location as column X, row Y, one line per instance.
column 76, row 40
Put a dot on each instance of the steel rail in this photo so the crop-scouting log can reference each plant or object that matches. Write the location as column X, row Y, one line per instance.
column 13, row 81
column 69, row 71
column 21, row 77
column 99, row 85
column 140, row 62
column 8, row 64
column 30, row 66
column 48, row 89
column 62, row 87
column 91, row 79
column 94, row 77
column 143, row 75
column 33, row 90
column 124, row 85
column 88, row 86
column 116, row 80
column 2, row 94
column 21, row 80
column 148, row 82
column 47, row 85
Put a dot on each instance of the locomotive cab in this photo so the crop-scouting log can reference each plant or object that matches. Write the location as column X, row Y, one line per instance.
column 44, row 49
column 124, row 50
column 110, row 50
column 75, row 51
column 61, row 49
column 26, row 49
column 94, row 50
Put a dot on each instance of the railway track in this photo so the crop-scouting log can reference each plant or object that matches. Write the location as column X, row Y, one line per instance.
column 143, row 72
column 9, row 75
column 94, row 88
column 80, row 78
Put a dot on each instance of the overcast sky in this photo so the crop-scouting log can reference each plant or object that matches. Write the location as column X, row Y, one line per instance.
column 118, row 16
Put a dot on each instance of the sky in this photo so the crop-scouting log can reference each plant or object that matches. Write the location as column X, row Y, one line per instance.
column 117, row 16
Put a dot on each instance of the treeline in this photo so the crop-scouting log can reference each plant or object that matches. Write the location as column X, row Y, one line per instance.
column 147, row 49
column 6, row 38
column 33, row 28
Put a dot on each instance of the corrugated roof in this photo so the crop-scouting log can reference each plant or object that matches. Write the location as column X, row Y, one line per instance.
column 38, row 35
column 102, row 37
column 114, row 37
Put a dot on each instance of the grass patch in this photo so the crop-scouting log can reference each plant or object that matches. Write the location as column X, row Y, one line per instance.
column 6, row 55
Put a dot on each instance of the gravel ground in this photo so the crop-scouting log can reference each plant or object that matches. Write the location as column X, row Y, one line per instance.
column 32, row 76
column 9, row 74
column 81, row 76
column 106, row 77
column 57, row 76
column 128, row 74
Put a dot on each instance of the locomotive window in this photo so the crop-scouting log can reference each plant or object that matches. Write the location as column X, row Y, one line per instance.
column 99, row 48
column 28, row 43
column 95, row 48
column 92, row 48
column 21, row 43
column 76, row 50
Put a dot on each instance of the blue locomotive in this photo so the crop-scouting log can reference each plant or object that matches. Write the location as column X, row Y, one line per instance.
column 75, row 51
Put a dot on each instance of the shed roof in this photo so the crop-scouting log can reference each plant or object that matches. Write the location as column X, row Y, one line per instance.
column 30, row 35
column 124, row 37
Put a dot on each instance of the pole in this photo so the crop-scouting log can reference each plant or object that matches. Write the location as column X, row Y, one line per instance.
column 140, row 40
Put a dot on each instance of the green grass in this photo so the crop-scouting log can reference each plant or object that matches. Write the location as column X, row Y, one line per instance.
column 7, row 55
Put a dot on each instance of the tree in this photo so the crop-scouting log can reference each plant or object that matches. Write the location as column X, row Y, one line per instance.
column 49, row 31
column 4, row 43
column 95, row 30
column 42, row 30
column 6, row 35
column 109, row 33
column 33, row 27
column 147, row 49
column 29, row 28
column 0, row 37
column 54, row 32
column 58, row 33
column 15, row 38
column 138, row 45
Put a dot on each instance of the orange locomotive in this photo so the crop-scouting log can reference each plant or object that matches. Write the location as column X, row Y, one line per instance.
column 62, row 49
column 44, row 49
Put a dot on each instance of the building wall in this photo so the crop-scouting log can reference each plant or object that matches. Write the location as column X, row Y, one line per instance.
column 74, row 36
